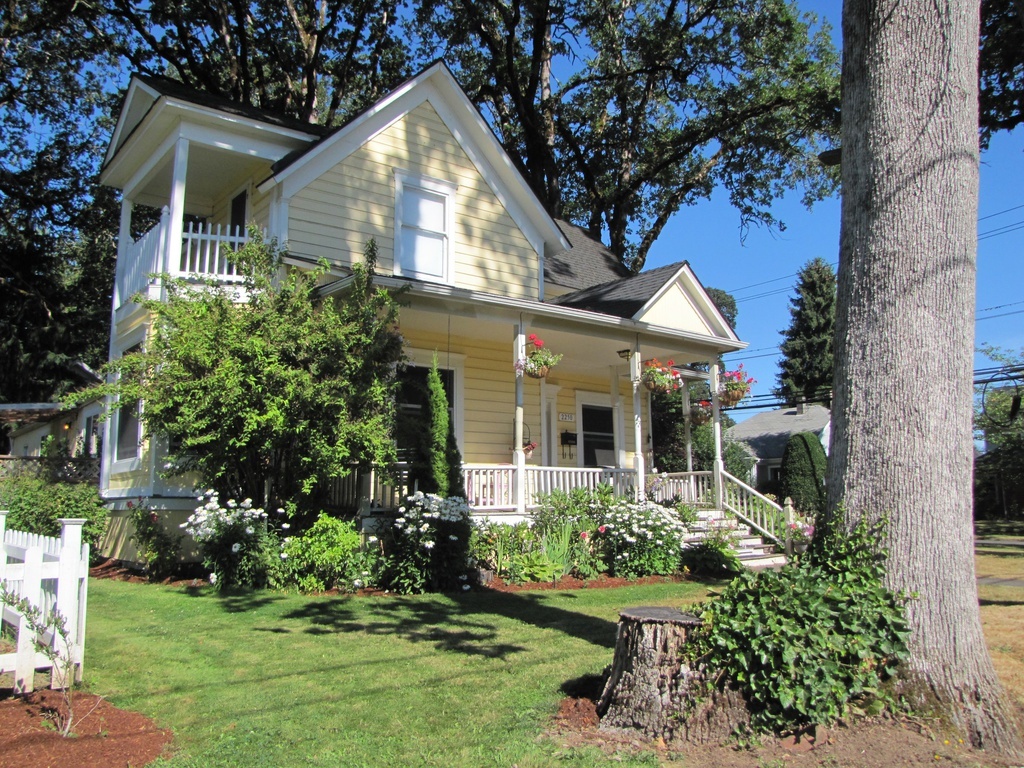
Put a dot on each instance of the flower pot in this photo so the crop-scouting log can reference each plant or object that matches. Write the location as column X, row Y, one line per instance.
column 655, row 386
column 731, row 396
column 528, row 452
column 700, row 417
column 799, row 547
column 538, row 373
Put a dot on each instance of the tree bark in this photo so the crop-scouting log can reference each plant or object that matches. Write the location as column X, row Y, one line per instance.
column 901, row 435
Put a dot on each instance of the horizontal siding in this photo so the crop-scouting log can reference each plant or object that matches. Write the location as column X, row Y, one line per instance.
column 337, row 213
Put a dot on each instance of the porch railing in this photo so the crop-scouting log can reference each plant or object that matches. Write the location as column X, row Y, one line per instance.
column 370, row 487
column 696, row 488
column 760, row 513
column 544, row 480
column 490, row 487
column 201, row 253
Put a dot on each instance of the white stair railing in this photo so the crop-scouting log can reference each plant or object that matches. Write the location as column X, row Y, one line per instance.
column 760, row 513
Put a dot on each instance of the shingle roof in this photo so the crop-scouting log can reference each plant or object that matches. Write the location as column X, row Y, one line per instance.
column 589, row 262
column 621, row 297
column 767, row 433
column 176, row 90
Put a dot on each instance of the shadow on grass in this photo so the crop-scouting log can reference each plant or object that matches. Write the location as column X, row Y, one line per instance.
column 236, row 601
column 1005, row 603
column 456, row 623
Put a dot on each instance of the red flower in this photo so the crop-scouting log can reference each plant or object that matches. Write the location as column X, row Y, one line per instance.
column 601, row 529
column 130, row 505
column 538, row 344
column 583, row 535
column 532, row 337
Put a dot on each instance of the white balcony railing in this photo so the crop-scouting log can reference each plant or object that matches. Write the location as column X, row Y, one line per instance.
column 201, row 253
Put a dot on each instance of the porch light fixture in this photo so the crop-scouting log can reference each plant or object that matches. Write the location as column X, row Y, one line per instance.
column 625, row 354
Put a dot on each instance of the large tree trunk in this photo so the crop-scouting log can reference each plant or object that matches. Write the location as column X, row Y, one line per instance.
column 901, row 437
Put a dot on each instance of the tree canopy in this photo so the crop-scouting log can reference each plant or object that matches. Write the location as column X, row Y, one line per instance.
column 999, row 471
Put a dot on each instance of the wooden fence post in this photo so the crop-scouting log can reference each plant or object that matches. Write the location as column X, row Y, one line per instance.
column 68, row 575
column 25, row 668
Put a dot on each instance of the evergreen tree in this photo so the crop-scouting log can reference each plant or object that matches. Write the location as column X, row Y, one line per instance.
column 806, row 368
column 437, row 432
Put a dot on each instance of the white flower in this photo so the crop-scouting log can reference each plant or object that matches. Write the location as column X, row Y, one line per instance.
column 428, row 545
column 213, row 578
column 235, row 547
column 452, row 537
column 285, row 526
column 465, row 587
column 246, row 504
column 249, row 530
column 231, row 504
column 399, row 520
column 463, row 577
column 284, row 555
column 371, row 539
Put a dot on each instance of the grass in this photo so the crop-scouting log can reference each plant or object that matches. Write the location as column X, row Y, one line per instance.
column 268, row 679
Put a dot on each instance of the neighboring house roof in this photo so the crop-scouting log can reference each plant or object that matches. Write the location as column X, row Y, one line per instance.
column 766, row 434
column 588, row 264
column 28, row 412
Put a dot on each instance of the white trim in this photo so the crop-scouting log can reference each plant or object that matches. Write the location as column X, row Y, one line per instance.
column 702, row 303
column 445, row 189
column 451, row 361
column 111, row 465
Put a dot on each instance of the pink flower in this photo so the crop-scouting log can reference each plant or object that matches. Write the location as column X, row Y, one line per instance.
column 602, row 529
column 583, row 535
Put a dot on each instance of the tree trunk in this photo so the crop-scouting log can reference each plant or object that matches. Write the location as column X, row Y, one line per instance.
column 652, row 689
column 901, row 435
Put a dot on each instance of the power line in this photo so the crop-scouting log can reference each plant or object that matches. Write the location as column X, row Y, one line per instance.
column 1001, row 231
column 1000, row 213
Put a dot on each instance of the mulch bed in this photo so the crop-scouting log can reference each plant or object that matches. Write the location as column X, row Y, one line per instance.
column 104, row 736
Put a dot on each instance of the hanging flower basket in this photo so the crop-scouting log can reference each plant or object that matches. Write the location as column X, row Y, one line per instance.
column 661, row 377
column 735, row 386
column 700, row 413
column 538, row 360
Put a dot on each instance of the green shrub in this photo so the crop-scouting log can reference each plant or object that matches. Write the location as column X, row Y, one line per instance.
column 325, row 556
column 157, row 547
column 35, row 505
column 426, row 549
column 641, row 539
column 714, row 556
column 805, row 641
column 496, row 546
column 803, row 473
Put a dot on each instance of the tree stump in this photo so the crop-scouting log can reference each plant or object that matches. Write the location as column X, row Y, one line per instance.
column 653, row 689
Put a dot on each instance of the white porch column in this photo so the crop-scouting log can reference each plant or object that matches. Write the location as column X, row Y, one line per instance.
column 687, row 436
column 716, row 424
column 176, row 212
column 124, row 239
column 518, row 456
column 638, row 455
column 619, row 423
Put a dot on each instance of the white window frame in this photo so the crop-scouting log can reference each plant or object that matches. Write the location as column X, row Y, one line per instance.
column 119, row 466
column 446, row 189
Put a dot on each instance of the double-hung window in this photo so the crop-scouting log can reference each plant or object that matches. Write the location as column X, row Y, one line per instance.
column 423, row 227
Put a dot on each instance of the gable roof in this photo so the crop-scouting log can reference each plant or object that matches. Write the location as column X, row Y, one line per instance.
column 766, row 434
column 438, row 86
column 588, row 264
column 669, row 296
column 621, row 297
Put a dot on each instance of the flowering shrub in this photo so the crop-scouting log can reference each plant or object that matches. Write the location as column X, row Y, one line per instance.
column 157, row 547
column 236, row 542
column 500, row 547
column 538, row 359
column 800, row 532
column 426, row 549
column 326, row 556
column 661, row 376
column 642, row 539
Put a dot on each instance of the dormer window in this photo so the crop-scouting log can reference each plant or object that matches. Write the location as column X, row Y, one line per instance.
column 423, row 227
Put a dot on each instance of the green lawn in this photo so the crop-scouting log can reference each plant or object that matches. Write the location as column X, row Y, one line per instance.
column 268, row 679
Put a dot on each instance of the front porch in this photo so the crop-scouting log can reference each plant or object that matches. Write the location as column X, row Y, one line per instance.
column 504, row 492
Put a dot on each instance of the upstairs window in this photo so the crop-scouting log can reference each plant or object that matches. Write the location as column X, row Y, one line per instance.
column 423, row 227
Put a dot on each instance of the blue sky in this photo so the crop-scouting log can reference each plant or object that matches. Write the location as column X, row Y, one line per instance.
column 708, row 236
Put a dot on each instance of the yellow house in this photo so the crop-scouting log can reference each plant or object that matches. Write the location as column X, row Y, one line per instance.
column 486, row 267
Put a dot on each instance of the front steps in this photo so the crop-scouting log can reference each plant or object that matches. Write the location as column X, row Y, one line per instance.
column 751, row 549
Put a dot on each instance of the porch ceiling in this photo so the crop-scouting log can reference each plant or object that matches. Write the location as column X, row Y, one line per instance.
column 591, row 351
column 212, row 175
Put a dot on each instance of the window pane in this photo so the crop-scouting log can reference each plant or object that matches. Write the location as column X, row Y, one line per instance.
column 423, row 210
column 128, row 431
column 422, row 253
column 598, row 436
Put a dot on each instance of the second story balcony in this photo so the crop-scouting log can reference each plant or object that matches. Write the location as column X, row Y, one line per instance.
column 201, row 253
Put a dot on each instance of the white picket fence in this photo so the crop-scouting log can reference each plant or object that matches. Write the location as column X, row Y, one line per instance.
column 51, row 573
